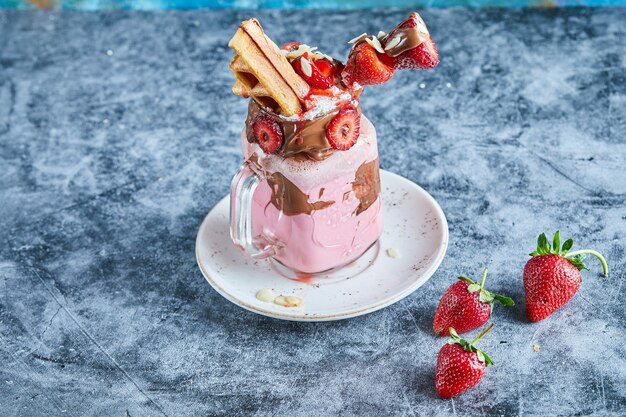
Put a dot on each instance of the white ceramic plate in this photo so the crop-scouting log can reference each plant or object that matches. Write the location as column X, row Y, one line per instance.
column 414, row 225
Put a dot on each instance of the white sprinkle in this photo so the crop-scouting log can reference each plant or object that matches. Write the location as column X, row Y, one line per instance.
column 393, row 253
column 448, row 85
column 306, row 67
column 422, row 86
column 109, row 52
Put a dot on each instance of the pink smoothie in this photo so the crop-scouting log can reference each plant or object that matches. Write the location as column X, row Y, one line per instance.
column 339, row 215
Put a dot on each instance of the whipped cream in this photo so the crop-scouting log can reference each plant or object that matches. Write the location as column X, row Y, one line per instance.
column 317, row 106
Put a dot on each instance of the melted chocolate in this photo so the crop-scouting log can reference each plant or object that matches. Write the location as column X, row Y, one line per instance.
column 366, row 185
column 289, row 199
column 303, row 139
column 409, row 38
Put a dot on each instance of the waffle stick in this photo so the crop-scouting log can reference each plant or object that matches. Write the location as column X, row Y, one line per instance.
column 247, row 85
column 277, row 59
column 263, row 72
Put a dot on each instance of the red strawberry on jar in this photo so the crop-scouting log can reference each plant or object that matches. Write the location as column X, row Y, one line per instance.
column 343, row 131
column 466, row 305
column 460, row 365
column 268, row 133
column 552, row 275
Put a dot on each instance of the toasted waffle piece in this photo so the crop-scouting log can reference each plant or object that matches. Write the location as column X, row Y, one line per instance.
column 277, row 59
column 258, row 92
column 263, row 72
column 247, row 85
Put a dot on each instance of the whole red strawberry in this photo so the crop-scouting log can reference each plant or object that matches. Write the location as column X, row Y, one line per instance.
column 465, row 306
column 552, row 275
column 460, row 365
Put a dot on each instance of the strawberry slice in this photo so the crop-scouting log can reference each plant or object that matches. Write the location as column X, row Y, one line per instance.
column 366, row 66
column 317, row 73
column 268, row 133
column 423, row 56
column 343, row 131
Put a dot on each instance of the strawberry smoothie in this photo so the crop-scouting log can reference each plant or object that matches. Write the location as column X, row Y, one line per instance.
column 318, row 214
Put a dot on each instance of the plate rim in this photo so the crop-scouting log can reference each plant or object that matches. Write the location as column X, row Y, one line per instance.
column 392, row 299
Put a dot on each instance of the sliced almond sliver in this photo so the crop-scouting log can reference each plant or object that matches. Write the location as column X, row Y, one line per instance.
column 393, row 43
column 306, row 66
column 301, row 49
column 380, row 34
column 375, row 44
column 354, row 40
column 320, row 55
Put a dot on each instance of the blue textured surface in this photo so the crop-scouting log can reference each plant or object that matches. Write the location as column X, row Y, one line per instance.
column 108, row 165
column 291, row 4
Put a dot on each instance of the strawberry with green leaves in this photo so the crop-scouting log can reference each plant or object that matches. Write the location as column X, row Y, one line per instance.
column 460, row 365
column 552, row 275
column 466, row 305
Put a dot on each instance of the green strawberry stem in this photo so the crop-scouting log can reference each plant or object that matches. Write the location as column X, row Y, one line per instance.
column 605, row 267
column 576, row 258
column 482, row 283
column 484, row 332
column 486, row 296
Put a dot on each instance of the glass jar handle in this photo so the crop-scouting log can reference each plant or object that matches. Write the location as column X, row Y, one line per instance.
column 242, row 190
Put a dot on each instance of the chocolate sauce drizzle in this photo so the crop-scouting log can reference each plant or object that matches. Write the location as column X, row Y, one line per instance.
column 409, row 38
column 303, row 139
column 289, row 199
column 366, row 185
